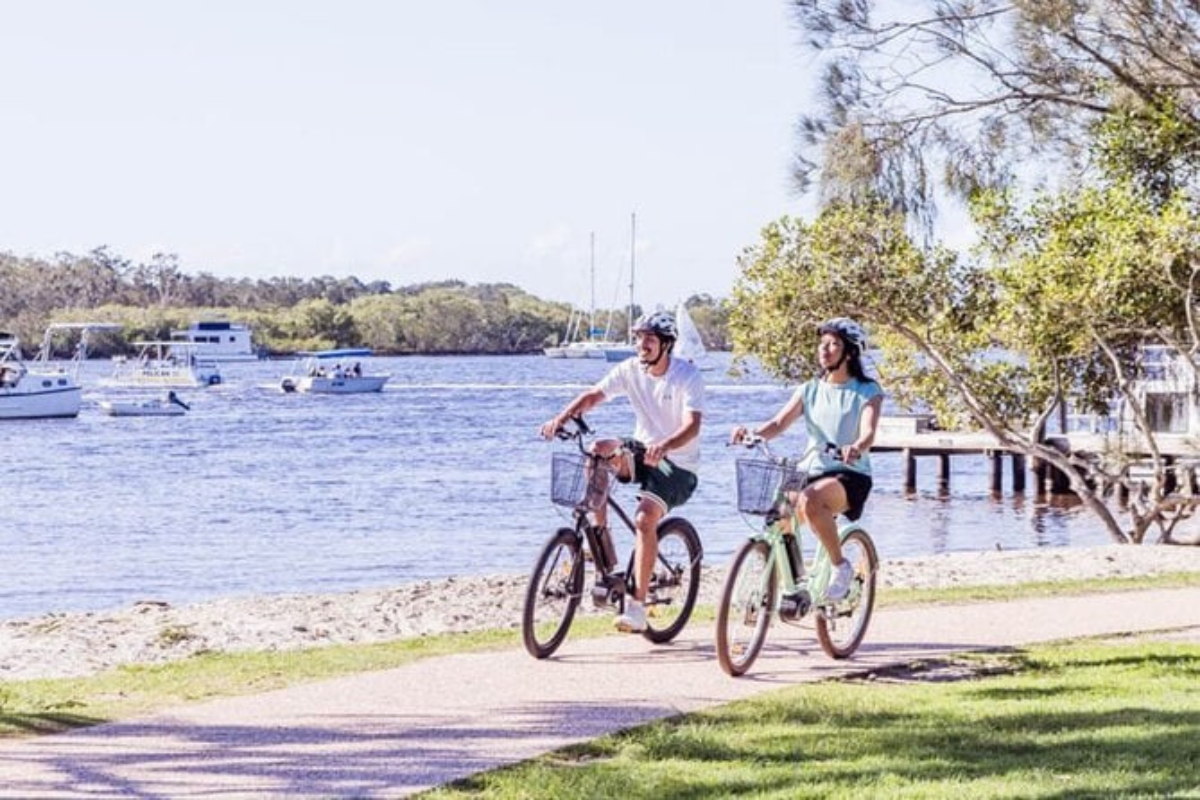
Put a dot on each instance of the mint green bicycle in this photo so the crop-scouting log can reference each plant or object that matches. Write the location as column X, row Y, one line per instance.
column 768, row 574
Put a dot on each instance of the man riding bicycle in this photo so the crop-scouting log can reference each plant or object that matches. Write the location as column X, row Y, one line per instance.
column 667, row 396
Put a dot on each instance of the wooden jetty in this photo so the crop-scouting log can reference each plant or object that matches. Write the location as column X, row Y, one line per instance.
column 912, row 436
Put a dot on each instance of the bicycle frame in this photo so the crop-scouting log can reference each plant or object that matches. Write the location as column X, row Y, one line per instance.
column 555, row 591
column 768, row 576
column 616, row 585
column 616, row 590
column 792, row 578
column 790, row 582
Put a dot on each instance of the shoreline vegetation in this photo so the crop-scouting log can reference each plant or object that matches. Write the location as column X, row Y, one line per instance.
column 287, row 314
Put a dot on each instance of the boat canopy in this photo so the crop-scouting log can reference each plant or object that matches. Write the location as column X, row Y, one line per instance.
column 349, row 352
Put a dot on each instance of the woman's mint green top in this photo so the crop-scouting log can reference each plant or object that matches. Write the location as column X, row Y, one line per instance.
column 832, row 413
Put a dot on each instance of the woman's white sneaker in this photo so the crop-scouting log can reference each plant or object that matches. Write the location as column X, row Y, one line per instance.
column 839, row 584
column 634, row 618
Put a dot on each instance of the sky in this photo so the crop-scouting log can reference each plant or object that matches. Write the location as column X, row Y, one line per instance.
column 405, row 141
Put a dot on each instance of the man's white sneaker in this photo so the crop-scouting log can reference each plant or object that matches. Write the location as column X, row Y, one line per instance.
column 839, row 582
column 634, row 618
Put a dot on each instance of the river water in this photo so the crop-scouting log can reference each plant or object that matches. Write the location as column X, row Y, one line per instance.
column 442, row 474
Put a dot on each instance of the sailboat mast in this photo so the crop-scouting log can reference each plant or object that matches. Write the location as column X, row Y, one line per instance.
column 592, row 312
column 632, row 251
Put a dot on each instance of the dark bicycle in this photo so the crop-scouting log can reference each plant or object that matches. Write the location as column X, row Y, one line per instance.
column 582, row 482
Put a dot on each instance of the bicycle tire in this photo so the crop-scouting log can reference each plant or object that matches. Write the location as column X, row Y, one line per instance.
column 837, row 641
column 675, row 582
column 745, row 609
column 554, row 589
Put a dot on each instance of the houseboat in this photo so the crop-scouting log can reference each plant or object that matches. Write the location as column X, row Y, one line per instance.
column 219, row 340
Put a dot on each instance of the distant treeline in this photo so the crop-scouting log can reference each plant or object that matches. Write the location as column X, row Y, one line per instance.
column 287, row 314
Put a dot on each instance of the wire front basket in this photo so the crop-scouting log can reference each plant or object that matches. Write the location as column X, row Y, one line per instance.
column 578, row 481
column 759, row 482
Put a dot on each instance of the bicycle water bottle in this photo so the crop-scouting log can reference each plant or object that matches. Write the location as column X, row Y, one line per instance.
column 795, row 560
column 608, row 549
column 794, row 606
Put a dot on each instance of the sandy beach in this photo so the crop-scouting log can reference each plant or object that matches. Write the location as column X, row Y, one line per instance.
column 152, row 631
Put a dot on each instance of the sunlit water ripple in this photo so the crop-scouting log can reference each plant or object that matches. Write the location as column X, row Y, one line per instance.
column 259, row 492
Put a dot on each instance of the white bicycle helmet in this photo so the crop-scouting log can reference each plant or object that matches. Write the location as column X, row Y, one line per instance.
column 848, row 329
column 660, row 323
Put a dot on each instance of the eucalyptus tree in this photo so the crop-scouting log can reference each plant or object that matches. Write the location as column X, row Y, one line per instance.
column 1072, row 127
column 966, row 94
column 998, row 344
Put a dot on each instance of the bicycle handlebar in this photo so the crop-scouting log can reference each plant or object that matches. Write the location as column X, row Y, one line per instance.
column 581, row 429
column 753, row 441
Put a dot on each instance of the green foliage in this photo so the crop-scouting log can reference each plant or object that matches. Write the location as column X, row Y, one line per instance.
column 1102, row 267
column 1154, row 145
column 859, row 261
column 977, row 92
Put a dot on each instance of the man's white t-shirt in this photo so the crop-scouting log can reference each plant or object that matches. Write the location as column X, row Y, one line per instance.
column 660, row 403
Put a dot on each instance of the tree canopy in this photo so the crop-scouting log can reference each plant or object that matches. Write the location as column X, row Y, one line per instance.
column 1072, row 130
column 968, row 94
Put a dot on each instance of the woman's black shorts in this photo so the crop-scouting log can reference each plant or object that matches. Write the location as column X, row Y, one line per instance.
column 857, row 486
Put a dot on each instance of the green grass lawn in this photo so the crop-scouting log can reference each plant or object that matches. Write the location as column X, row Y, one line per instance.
column 41, row 706
column 1070, row 720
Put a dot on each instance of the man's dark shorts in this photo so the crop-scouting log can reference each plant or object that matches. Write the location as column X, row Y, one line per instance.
column 857, row 486
column 669, row 488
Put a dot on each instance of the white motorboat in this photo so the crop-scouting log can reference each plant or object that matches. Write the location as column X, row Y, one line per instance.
column 219, row 340
column 164, row 364
column 345, row 376
column 38, row 390
column 167, row 406
column 619, row 352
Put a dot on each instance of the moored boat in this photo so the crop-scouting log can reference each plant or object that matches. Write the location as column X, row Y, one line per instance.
column 219, row 340
column 167, row 406
column 164, row 364
column 315, row 377
column 38, row 390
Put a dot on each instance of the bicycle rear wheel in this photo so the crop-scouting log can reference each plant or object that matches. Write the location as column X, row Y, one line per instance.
column 842, row 625
column 675, row 581
column 553, row 594
column 747, row 604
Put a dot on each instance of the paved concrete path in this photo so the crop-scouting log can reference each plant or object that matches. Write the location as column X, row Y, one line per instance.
column 387, row 734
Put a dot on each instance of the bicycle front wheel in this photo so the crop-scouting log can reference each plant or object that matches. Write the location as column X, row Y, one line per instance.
column 675, row 581
column 842, row 625
column 553, row 594
column 747, row 604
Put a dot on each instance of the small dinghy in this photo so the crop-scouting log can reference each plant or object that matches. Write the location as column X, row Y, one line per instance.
column 168, row 406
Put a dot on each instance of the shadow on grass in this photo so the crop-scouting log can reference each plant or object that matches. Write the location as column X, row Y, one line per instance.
column 1105, row 733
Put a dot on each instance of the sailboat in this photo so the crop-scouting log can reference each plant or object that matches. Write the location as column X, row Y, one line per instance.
column 616, row 351
column 689, row 345
column 560, row 350
column 596, row 345
column 37, row 390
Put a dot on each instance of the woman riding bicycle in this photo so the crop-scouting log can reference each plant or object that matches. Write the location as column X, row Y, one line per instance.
column 841, row 411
